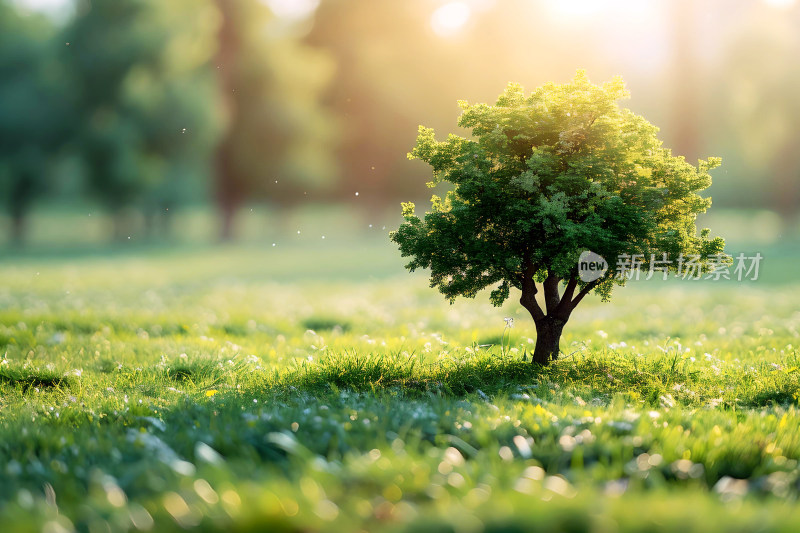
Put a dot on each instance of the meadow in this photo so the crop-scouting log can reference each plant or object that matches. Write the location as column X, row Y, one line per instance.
column 319, row 387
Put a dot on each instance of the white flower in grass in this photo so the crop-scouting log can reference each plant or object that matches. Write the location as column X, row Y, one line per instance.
column 509, row 321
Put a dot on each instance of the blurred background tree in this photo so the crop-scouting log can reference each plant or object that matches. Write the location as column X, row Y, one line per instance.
column 32, row 113
column 141, row 121
column 277, row 140
column 384, row 65
column 758, row 114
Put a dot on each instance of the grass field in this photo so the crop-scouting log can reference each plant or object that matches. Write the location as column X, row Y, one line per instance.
column 305, row 388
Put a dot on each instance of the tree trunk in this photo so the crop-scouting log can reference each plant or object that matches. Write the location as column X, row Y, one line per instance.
column 121, row 225
column 548, row 335
column 786, row 194
column 230, row 188
column 228, row 213
column 19, row 200
column 18, row 228
column 149, row 229
column 559, row 307
column 684, row 70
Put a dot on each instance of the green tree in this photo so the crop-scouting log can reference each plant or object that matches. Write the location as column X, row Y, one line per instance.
column 32, row 112
column 545, row 178
column 141, row 88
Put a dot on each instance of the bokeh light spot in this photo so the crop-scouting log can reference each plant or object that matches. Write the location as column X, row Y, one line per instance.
column 450, row 18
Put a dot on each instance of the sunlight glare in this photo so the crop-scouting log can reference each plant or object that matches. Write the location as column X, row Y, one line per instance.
column 450, row 18
column 292, row 9
column 577, row 7
column 49, row 7
column 782, row 4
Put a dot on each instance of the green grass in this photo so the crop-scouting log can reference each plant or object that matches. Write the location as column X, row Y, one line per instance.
column 320, row 388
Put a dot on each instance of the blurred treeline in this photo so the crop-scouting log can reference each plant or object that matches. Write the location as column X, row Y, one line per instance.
column 144, row 106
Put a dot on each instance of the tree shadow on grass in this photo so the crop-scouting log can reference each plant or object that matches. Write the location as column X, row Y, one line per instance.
column 361, row 373
column 29, row 379
column 653, row 380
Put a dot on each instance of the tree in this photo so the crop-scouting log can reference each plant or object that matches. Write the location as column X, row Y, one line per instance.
column 758, row 109
column 32, row 110
column 384, row 63
column 141, row 89
column 545, row 178
column 277, row 138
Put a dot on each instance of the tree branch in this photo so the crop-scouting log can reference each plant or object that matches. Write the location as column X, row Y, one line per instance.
column 585, row 290
column 529, row 290
column 551, row 298
column 565, row 306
